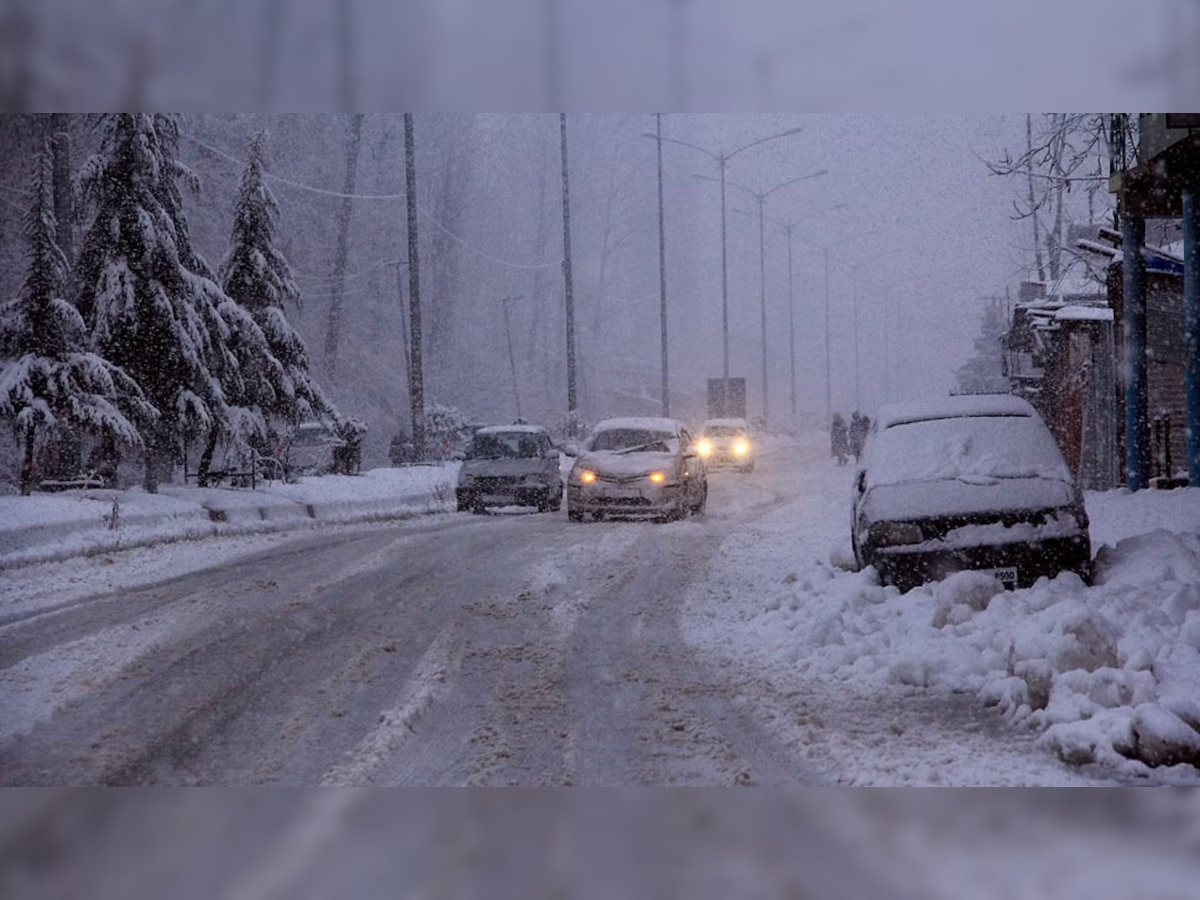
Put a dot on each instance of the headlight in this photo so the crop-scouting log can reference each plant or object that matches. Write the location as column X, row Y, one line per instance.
column 704, row 447
column 741, row 447
column 658, row 477
column 587, row 476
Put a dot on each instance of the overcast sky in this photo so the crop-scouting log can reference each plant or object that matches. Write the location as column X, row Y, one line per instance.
column 924, row 226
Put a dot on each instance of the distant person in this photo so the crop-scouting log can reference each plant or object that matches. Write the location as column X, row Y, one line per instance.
column 839, row 444
column 859, row 426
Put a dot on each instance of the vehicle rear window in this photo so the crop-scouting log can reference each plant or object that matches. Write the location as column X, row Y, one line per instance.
column 505, row 445
column 986, row 446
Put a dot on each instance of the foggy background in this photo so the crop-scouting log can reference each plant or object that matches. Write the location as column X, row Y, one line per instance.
column 903, row 236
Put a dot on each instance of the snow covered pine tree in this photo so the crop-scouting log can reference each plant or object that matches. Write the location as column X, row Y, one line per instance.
column 257, row 276
column 49, row 380
column 150, row 301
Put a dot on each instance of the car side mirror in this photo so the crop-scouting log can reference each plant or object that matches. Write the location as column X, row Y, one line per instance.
column 570, row 448
column 458, row 456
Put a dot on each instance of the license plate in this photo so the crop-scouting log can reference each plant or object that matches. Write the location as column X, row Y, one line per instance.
column 1005, row 574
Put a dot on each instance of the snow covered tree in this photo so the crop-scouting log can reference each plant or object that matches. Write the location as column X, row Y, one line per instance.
column 1063, row 151
column 49, row 381
column 257, row 276
column 983, row 373
column 149, row 300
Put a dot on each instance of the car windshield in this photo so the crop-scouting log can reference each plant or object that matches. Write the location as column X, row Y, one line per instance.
column 724, row 431
column 505, row 445
column 965, row 448
column 632, row 439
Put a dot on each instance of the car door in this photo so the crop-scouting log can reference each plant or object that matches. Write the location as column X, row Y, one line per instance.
column 693, row 468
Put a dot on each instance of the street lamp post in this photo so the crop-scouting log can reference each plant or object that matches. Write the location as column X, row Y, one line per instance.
column 825, row 248
column 761, row 197
column 722, row 159
column 789, row 227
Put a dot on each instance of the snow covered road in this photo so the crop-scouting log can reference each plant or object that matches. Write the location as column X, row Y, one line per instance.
column 508, row 649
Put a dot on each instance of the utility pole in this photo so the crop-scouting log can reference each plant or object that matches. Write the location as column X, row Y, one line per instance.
column 857, row 391
column 512, row 360
column 762, row 297
column 662, row 273
column 828, row 367
column 570, row 300
column 791, row 322
column 403, row 318
column 416, row 381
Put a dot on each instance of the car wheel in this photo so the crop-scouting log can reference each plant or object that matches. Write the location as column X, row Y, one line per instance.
column 702, row 503
column 574, row 515
column 554, row 504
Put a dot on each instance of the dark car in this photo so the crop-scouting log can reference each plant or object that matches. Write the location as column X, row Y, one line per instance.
column 510, row 465
column 637, row 467
column 967, row 482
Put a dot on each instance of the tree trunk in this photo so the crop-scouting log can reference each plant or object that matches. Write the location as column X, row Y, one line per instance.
column 27, row 463
column 342, row 252
column 205, row 463
column 1033, row 213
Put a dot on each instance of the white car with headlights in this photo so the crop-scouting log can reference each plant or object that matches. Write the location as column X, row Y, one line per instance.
column 637, row 467
column 726, row 443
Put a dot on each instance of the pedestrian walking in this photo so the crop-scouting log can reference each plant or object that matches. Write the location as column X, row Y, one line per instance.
column 859, row 426
column 838, row 439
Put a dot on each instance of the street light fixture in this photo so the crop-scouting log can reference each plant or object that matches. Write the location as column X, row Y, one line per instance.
column 789, row 226
column 761, row 197
column 722, row 159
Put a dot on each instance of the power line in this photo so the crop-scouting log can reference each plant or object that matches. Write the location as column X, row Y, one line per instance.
column 384, row 197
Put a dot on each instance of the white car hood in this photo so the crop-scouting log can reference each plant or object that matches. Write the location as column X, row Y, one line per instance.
column 624, row 465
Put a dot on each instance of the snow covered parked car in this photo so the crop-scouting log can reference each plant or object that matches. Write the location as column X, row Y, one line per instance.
column 966, row 482
column 510, row 465
column 635, row 467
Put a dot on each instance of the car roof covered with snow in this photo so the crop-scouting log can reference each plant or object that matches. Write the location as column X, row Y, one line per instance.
column 645, row 423
column 953, row 407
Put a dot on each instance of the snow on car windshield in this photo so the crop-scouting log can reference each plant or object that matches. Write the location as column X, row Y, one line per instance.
column 628, row 438
column 724, row 431
column 982, row 447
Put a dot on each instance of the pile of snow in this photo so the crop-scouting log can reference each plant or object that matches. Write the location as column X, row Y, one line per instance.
column 1107, row 674
column 46, row 527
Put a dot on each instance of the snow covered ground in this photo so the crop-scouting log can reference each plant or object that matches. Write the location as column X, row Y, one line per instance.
column 1105, row 677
